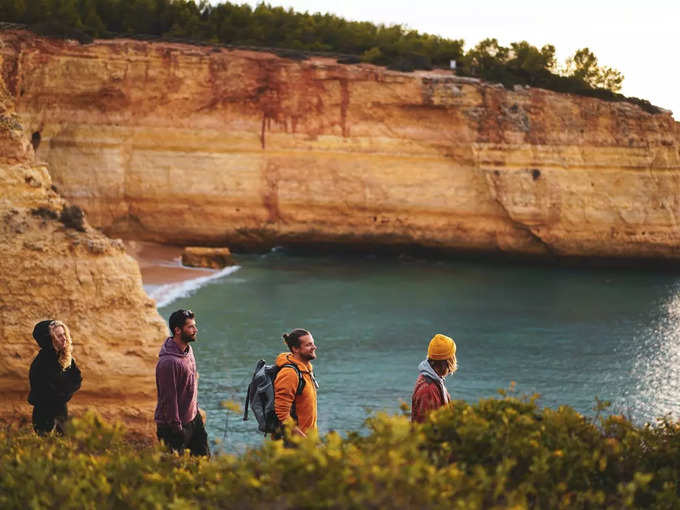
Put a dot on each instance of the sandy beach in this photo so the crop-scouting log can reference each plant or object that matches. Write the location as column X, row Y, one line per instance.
column 164, row 277
column 161, row 264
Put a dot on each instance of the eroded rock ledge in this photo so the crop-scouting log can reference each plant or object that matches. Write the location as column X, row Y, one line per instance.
column 51, row 270
column 198, row 145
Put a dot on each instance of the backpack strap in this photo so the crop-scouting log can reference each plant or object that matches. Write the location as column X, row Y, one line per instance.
column 245, row 412
column 301, row 380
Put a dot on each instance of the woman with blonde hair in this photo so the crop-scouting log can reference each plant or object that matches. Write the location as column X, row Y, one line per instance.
column 429, row 392
column 54, row 376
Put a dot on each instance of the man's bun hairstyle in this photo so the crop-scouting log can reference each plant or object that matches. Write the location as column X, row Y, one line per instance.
column 292, row 339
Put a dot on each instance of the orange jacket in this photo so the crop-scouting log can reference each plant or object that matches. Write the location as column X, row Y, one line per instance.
column 285, row 387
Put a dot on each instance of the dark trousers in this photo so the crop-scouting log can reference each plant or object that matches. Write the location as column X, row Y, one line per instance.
column 48, row 418
column 193, row 436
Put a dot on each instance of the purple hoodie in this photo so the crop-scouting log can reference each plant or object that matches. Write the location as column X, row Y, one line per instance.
column 176, row 383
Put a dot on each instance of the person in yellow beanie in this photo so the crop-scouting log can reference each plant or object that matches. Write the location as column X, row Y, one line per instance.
column 429, row 392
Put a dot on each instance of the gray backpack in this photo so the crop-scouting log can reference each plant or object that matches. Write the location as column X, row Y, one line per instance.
column 260, row 396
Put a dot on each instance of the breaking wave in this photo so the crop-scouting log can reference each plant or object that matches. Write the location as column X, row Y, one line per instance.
column 169, row 292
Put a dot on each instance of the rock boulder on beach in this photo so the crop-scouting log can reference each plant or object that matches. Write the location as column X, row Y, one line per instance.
column 213, row 258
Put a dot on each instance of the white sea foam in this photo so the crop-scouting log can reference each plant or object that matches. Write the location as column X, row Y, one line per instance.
column 169, row 292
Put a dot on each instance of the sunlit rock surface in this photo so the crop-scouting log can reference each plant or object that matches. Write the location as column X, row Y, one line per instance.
column 79, row 276
column 213, row 258
column 200, row 145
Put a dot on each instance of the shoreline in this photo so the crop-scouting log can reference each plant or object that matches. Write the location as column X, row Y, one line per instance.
column 164, row 278
column 160, row 264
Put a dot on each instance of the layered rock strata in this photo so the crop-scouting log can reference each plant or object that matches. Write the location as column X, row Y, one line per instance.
column 199, row 145
column 56, row 267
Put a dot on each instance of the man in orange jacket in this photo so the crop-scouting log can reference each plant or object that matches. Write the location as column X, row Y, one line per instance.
column 291, row 407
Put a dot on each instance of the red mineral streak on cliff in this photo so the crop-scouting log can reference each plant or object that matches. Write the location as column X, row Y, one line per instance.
column 200, row 145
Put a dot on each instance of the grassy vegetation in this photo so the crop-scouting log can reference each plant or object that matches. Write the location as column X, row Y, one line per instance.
column 499, row 453
column 301, row 34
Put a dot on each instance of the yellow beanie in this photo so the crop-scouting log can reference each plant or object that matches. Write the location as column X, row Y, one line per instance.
column 441, row 347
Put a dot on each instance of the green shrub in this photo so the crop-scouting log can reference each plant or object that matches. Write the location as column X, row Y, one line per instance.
column 291, row 54
column 349, row 59
column 62, row 30
column 266, row 26
column 73, row 217
column 505, row 453
column 410, row 62
column 45, row 213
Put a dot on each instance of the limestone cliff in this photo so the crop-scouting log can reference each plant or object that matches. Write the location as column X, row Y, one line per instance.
column 81, row 277
column 200, row 145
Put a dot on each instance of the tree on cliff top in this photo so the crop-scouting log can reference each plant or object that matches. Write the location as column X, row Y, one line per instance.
column 583, row 66
column 275, row 27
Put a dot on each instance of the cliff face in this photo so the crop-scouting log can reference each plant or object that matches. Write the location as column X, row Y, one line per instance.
column 200, row 145
column 50, row 270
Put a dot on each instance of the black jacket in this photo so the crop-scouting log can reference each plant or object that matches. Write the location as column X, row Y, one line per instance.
column 50, row 385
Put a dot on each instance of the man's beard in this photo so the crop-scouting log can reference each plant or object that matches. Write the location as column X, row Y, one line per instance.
column 188, row 338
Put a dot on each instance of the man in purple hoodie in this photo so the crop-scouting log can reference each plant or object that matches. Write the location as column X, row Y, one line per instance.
column 178, row 421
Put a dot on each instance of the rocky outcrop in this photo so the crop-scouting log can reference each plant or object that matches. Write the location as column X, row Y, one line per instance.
column 213, row 258
column 199, row 145
column 55, row 265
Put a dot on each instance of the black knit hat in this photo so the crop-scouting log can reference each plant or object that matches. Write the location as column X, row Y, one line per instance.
column 41, row 333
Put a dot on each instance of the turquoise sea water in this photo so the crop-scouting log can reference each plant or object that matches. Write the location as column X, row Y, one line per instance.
column 568, row 334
